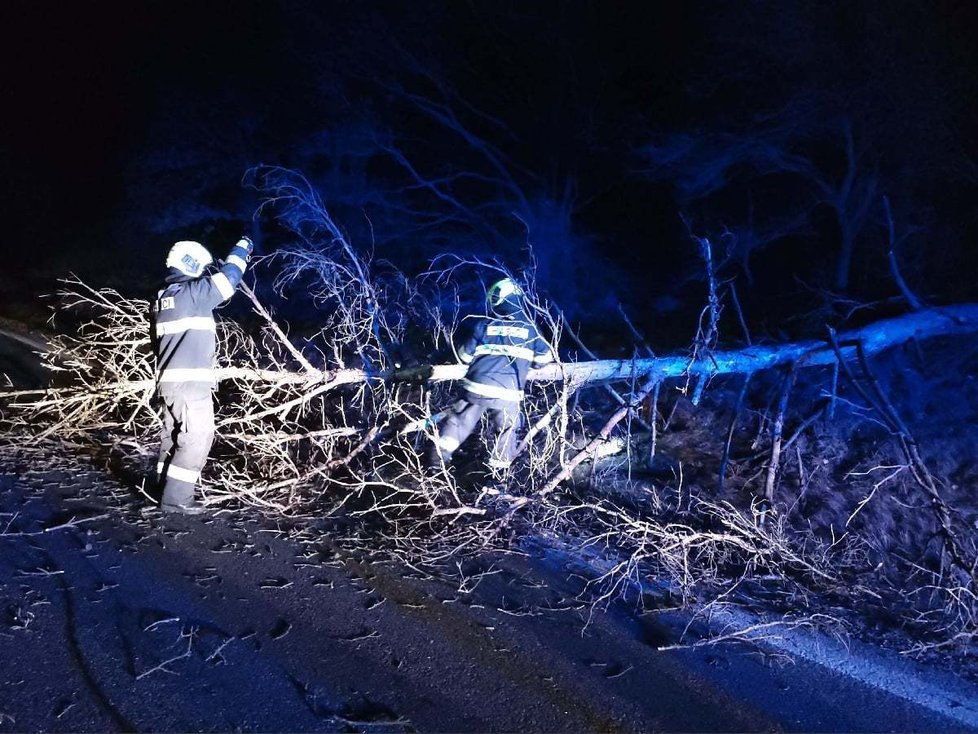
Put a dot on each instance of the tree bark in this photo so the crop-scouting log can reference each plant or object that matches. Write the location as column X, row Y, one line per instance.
column 955, row 320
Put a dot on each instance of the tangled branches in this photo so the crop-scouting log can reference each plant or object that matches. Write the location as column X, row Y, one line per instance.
column 330, row 415
column 325, row 418
column 102, row 370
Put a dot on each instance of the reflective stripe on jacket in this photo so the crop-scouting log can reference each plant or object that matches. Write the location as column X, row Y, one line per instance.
column 183, row 329
column 499, row 353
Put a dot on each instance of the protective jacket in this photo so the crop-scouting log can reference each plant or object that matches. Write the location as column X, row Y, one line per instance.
column 500, row 352
column 184, row 331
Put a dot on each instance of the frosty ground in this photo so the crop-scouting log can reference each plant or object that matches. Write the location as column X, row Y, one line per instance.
column 113, row 620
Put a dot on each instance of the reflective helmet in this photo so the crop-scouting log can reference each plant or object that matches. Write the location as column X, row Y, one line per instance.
column 503, row 297
column 189, row 257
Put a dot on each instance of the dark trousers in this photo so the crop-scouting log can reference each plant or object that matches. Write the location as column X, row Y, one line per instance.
column 464, row 416
column 186, row 438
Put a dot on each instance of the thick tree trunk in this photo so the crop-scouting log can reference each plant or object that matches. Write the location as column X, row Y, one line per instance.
column 877, row 337
column 954, row 320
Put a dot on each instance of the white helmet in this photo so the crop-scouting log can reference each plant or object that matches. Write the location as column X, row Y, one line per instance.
column 189, row 257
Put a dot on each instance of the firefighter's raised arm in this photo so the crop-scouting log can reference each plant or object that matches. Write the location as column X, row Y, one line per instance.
column 235, row 264
column 213, row 290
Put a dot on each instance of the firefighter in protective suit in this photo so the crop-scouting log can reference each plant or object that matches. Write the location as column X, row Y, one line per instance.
column 499, row 352
column 184, row 341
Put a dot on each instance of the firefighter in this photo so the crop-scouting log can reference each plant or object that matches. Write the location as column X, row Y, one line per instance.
column 184, row 342
column 500, row 351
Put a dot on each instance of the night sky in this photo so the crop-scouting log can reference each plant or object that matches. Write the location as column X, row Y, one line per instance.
column 592, row 129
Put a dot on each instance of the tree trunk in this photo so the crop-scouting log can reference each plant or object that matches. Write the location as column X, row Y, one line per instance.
column 877, row 337
column 954, row 320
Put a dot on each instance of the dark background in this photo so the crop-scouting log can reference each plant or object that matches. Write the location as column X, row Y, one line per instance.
column 602, row 134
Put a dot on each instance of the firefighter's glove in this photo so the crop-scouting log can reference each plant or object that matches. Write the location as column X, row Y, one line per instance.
column 247, row 245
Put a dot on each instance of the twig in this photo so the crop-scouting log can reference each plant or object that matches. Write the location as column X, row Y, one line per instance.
column 189, row 635
column 738, row 406
column 740, row 313
column 911, row 297
column 69, row 524
column 772, row 469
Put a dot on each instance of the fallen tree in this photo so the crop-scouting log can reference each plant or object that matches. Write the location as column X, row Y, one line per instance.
column 290, row 387
column 869, row 340
column 330, row 423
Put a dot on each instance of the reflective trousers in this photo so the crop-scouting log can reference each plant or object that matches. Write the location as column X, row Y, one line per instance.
column 462, row 419
column 185, row 442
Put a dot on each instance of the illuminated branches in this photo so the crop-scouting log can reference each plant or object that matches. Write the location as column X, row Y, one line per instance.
column 105, row 357
column 328, row 417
